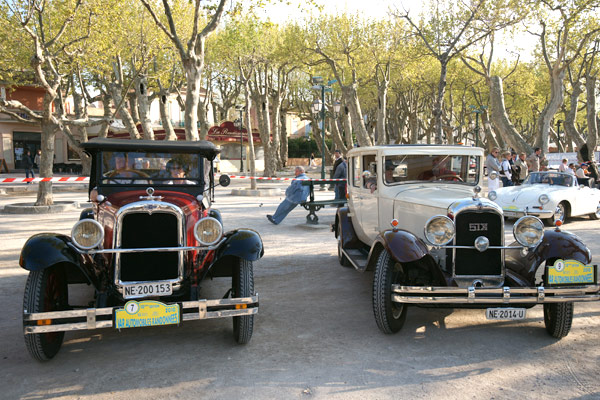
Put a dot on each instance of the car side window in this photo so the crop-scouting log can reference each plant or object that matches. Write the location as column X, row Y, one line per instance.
column 370, row 172
column 356, row 172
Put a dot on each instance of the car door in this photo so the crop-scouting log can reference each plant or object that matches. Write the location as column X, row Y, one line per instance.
column 368, row 196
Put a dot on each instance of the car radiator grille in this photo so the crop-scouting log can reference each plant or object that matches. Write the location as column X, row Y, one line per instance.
column 142, row 230
column 469, row 226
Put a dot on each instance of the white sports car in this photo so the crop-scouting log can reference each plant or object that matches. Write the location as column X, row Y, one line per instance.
column 551, row 196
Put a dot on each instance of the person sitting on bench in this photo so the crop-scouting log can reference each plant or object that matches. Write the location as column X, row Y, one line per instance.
column 295, row 194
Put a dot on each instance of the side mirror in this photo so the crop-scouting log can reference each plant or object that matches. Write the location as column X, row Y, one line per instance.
column 224, row 180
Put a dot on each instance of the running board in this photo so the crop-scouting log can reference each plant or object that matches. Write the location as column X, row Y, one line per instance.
column 356, row 258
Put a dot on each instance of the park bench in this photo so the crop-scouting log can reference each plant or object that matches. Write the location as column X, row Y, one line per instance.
column 312, row 205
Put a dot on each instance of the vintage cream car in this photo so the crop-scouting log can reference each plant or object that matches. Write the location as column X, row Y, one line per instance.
column 552, row 196
column 416, row 219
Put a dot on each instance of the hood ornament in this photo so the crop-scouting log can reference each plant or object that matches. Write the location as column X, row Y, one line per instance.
column 151, row 196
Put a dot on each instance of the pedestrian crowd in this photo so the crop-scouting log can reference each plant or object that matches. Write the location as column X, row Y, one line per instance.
column 512, row 169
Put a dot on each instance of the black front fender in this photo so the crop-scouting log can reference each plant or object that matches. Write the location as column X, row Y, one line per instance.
column 243, row 243
column 44, row 250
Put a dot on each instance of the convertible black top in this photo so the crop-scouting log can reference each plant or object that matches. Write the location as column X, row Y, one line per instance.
column 202, row 147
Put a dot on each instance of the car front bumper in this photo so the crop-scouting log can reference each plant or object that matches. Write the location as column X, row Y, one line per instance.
column 96, row 318
column 515, row 213
column 502, row 295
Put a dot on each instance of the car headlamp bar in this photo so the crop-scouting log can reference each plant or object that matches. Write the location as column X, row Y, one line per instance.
column 149, row 249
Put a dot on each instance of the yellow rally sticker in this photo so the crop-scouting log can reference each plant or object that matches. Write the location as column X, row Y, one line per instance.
column 146, row 313
column 511, row 208
column 570, row 272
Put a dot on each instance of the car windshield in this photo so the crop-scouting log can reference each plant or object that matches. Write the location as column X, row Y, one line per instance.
column 413, row 168
column 131, row 168
column 549, row 178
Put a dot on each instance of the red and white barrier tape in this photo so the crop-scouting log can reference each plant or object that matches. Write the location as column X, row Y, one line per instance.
column 84, row 179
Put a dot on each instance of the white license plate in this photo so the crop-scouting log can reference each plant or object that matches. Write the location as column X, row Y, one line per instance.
column 147, row 290
column 510, row 214
column 505, row 313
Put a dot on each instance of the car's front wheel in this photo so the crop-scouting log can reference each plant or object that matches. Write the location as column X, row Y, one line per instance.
column 242, row 285
column 558, row 318
column 45, row 291
column 560, row 214
column 390, row 316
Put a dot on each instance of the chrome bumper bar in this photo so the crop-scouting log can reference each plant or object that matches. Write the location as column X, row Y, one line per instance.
column 535, row 212
column 190, row 310
column 147, row 249
column 503, row 295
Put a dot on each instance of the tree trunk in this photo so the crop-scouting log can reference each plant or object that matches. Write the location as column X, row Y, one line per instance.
column 571, row 132
column 202, row 120
column 347, row 125
column 192, row 99
column 557, row 94
column 382, row 113
column 284, row 139
column 133, row 106
column 44, row 195
column 103, row 133
column 251, row 157
column 116, row 90
column 500, row 118
column 141, row 94
column 358, row 124
column 592, row 121
column 437, row 105
column 337, row 137
column 165, row 117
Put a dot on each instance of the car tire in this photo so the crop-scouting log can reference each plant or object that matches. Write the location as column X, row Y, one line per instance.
column 389, row 316
column 344, row 262
column 558, row 318
column 242, row 285
column 45, row 290
column 596, row 216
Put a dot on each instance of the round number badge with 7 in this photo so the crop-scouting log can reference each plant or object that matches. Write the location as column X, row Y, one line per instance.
column 132, row 307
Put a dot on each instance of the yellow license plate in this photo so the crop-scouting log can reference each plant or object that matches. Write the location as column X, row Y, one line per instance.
column 570, row 272
column 137, row 314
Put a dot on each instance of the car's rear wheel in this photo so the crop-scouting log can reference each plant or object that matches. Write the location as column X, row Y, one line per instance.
column 389, row 316
column 45, row 290
column 242, row 285
column 558, row 318
column 596, row 215
column 344, row 262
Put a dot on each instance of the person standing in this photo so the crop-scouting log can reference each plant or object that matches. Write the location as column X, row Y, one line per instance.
column 312, row 160
column 493, row 165
column 295, row 194
column 28, row 163
column 37, row 160
column 506, row 174
column 340, row 171
column 522, row 164
column 533, row 161
column 564, row 166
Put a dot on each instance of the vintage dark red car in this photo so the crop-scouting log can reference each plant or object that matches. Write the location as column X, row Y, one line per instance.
column 145, row 247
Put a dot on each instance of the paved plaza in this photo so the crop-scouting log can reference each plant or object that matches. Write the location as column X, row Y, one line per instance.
column 315, row 335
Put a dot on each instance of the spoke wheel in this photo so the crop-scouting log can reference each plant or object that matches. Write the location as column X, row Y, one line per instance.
column 390, row 316
column 242, row 285
column 45, row 290
column 560, row 214
column 558, row 318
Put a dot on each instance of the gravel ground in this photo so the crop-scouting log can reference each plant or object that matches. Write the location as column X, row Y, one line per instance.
column 314, row 337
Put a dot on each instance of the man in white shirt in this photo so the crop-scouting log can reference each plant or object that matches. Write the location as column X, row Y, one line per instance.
column 493, row 165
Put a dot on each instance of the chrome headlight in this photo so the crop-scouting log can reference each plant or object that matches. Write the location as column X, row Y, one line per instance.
column 439, row 230
column 528, row 231
column 543, row 199
column 87, row 234
column 493, row 175
column 208, row 231
column 492, row 195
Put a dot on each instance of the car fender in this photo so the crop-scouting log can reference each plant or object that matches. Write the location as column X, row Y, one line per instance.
column 344, row 230
column 562, row 244
column 44, row 250
column 243, row 243
column 402, row 245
